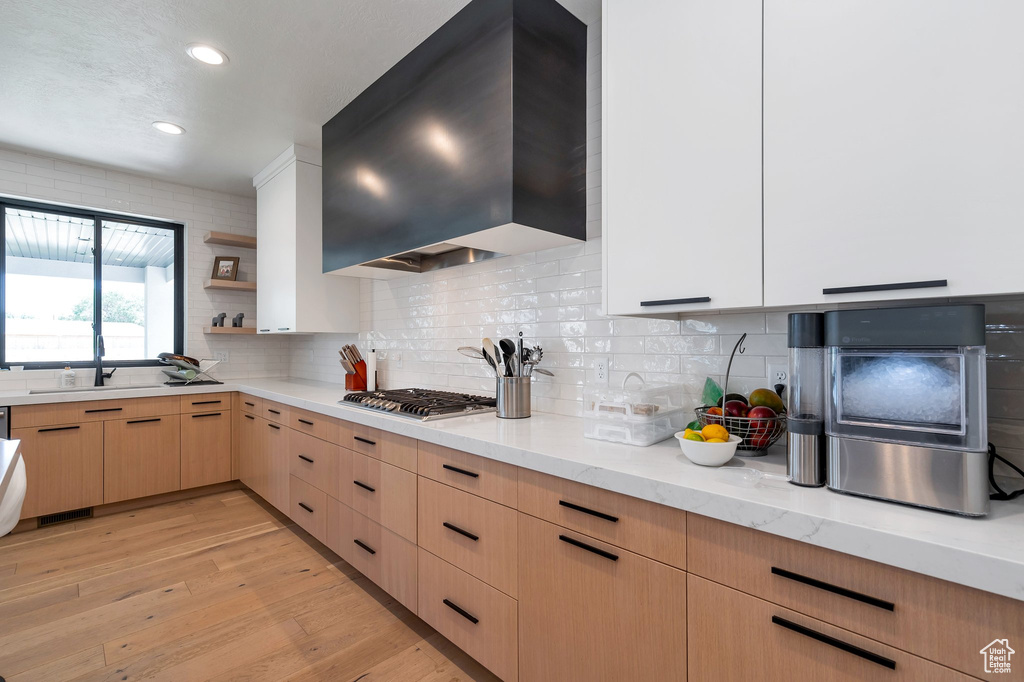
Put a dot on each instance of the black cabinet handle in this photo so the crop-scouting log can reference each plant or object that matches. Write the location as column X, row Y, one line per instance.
column 897, row 286
column 365, row 440
column 283, row 329
column 600, row 515
column 59, row 428
column 676, row 301
column 364, row 486
column 835, row 589
column 365, row 546
column 208, row 414
column 461, row 611
column 248, row 404
column 582, row 545
column 272, row 411
column 837, row 643
column 466, row 533
column 305, row 459
column 457, row 470
column 306, row 507
column 264, row 330
column 249, row 416
column 306, row 422
column 106, row 409
column 207, row 402
column 144, row 421
column 274, row 426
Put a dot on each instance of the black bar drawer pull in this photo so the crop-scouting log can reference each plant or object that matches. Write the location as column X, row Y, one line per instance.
column 365, row 440
column 272, row 411
column 897, row 286
column 365, row 546
column 600, row 515
column 248, row 404
column 835, row 589
column 306, row 507
column 582, row 545
column 283, row 329
column 364, row 486
column 274, row 426
column 457, row 470
column 837, row 643
column 208, row 414
column 264, row 330
column 144, row 421
column 305, row 459
column 461, row 611
column 306, row 422
column 59, row 428
column 249, row 416
column 676, row 301
column 106, row 409
column 207, row 402
column 466, row 533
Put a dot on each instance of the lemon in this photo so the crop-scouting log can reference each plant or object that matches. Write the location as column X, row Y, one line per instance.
column 693, row 435
column 714, row 440
column 716, row 431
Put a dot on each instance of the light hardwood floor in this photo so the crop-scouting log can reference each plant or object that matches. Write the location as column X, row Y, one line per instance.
column 212, row 588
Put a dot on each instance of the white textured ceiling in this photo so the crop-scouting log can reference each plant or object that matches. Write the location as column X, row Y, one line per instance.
column 84, row 79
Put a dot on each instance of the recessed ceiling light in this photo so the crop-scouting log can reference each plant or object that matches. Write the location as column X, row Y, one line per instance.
column 206, row 54
column 169, row 128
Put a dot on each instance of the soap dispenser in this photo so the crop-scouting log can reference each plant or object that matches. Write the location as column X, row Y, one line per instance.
column 67, row 377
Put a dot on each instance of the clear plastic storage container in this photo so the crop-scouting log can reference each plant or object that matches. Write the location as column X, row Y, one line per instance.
column 636, row 414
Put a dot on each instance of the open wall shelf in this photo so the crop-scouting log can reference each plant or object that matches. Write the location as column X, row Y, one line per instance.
column 227, row 285
column 228, row 239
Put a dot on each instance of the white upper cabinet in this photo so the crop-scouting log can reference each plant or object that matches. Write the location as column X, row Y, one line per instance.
column 292, row 293
column 893, row 149
column 681, row 135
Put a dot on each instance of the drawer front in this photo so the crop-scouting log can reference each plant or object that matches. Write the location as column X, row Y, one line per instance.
column 206, row 441
column 649, row 529
column 496, row 481
column 477, row 618
column 396, row 450
column 63, row 467
column 205, row 402
column 24, row 416
column 940, row 621
column 384, row 493
column 308, row 508
column 141, row 457
column 474, row 534
column 314, row 461
column 250, row 404
column 382, row 556
column 734, row 636
column 313, row 424
column 275, row 412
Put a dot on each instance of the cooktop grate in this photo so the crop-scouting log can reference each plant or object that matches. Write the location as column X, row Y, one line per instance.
column 421, row 403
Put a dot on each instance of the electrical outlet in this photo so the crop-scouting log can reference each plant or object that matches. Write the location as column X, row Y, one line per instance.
column 601, row 371
column 778, row 374
column 221, row 355
column 396, row 358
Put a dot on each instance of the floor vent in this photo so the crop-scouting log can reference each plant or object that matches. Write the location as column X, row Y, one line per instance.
column 64, row 517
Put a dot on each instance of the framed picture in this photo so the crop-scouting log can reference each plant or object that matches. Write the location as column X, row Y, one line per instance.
column 225, row 267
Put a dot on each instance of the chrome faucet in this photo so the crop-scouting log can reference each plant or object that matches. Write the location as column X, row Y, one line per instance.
column 100, row 352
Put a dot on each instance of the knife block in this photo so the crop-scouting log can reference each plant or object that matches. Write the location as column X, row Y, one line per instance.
column 357, row 381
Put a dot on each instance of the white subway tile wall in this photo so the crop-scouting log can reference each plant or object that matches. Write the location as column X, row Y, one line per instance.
column 48, row 179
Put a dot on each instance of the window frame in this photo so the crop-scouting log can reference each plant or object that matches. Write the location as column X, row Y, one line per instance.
column 98, row 217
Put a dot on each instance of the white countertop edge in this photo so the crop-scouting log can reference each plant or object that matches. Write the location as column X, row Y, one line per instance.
column 987, row 554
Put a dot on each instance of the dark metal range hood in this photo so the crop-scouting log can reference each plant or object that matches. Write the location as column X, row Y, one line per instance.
column 472, row 147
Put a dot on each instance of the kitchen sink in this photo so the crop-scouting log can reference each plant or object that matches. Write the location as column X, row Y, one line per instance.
column 87, row 389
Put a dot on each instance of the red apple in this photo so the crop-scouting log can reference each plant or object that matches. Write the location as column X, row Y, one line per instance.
column 764, row 417
column 736, row 408
column 760, row 438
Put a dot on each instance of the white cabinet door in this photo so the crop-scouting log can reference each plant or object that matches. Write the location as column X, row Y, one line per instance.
column 681, row 133
column 275, row 253
column 893, row 149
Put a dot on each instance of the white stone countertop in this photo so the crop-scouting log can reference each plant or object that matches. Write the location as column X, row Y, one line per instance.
column 984, row 553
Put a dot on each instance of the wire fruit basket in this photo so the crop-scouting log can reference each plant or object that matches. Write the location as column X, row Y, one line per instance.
column 758, row 433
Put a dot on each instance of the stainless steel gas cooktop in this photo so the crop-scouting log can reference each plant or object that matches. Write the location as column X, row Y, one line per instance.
column 421, row 404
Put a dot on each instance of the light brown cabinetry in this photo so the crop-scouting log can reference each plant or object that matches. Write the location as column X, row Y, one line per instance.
column 250, row 404
column 384, row 493
column 141, row 457
column 487, row 478
column 63, row 467
column 317, row 462
column 589, row 610
column 738, row 637
column 318, row 425
column 205, row 402
column 55, row 414
column 275, row 412
column 479, row 619
column 205, row 448
column 274, row 464
column 308, row 508
column 396, row 450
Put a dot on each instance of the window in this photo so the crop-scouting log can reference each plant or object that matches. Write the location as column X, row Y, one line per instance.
column 73, row 281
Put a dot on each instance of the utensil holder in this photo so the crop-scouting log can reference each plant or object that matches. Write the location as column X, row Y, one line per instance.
column 513, row 394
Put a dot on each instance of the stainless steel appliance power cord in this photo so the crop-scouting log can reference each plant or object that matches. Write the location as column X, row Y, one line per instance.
column 999, row 493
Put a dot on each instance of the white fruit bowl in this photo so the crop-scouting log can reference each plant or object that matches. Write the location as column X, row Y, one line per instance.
column 708, row 454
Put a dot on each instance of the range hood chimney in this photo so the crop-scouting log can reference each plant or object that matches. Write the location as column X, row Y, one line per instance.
column 472, row 147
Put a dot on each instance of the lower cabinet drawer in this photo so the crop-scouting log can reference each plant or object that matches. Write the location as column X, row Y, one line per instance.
column 733, row 636
column 384, row 493
column 308, row 508
column 387, row 447
column 63, row 467
column 382, row 556
column 315, row 461
column 479, row 619
column 474, row 534
column 250, row 404
column 934, row 619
